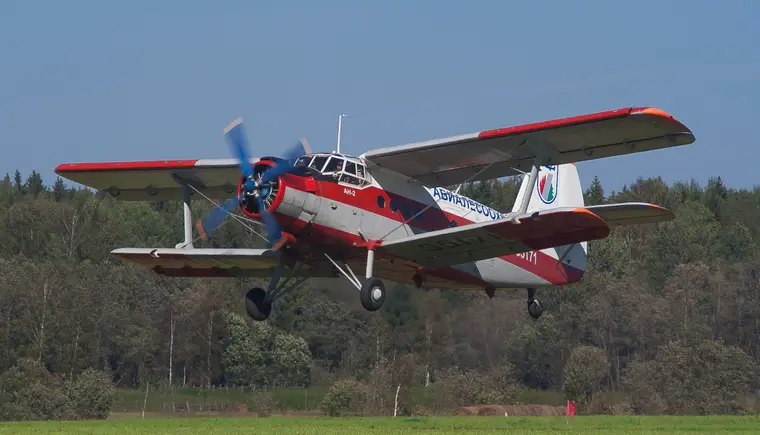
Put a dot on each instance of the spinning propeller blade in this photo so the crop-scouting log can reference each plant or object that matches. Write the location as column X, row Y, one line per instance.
column 238, row 142
column 286, row 164
column 274, row 233
column 215, row 217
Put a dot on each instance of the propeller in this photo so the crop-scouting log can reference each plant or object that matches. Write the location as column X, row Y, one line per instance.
column 252, row 188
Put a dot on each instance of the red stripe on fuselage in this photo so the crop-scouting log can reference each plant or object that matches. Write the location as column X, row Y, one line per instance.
column 432, row 219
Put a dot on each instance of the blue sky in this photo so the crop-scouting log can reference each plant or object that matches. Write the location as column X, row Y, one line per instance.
column 141, row 80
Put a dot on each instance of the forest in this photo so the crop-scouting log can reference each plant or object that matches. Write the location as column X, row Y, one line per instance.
column 666, row 320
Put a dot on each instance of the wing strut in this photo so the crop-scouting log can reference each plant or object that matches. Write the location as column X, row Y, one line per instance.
column 186, row 211
column 543, row 151
column 532, row 183
column 188, row 218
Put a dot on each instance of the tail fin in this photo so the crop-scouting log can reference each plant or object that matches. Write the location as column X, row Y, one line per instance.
column 557, row 186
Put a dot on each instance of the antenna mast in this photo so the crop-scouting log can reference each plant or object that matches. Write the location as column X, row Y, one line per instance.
column 340, row 122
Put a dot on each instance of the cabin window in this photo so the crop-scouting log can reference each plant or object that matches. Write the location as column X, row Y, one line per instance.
column 350, row 179
column 380, row 201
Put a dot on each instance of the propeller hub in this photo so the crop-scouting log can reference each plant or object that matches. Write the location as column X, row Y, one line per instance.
column 259, row 190
column 253, row 189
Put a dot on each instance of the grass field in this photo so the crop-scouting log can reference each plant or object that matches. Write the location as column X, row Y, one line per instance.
column 286, row 399
column 404, row 425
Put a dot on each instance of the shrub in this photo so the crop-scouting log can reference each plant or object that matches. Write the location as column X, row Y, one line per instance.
column 29, row 392
column 262, row 403
column 345, row 397
column 91, row 395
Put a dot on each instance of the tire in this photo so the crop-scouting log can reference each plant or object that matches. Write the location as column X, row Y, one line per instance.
column 534, row 309
column 372, row 294
column 256, row 306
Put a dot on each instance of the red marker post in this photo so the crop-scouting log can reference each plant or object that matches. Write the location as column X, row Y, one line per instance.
column 570, row 411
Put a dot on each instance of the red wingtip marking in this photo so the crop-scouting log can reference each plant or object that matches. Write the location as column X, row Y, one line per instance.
column 658, row 113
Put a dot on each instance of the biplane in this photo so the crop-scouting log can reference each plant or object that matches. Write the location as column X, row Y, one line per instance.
column 395, row 213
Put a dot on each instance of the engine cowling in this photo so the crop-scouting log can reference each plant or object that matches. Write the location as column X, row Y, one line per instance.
column 272, row 193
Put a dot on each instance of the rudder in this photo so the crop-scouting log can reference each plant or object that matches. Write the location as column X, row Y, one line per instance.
column 557, row 186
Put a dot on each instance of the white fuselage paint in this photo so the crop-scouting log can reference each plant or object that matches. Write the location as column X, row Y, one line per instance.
column 339, row 214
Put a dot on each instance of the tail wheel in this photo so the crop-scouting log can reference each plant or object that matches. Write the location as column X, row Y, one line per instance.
column 534, row 309
column 256, row 304
column 534, row 305
column 372, row 294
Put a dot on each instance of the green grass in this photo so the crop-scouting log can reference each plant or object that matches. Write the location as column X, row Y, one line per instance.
column 401, row 425
column 287, row 399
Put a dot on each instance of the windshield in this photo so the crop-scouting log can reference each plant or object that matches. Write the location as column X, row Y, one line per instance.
column 341, row 168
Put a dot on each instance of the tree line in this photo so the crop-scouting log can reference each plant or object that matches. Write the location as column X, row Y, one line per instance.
column 668, row 314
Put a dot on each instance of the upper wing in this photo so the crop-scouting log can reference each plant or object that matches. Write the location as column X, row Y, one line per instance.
column 631, row 213
column 149, row 180
column 533, row 231
column 210, row 262
column 511, row 150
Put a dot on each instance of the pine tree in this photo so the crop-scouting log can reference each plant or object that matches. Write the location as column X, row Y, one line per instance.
column 34, row 184
column 594, row 195
column 17, row 182
column 59, row 190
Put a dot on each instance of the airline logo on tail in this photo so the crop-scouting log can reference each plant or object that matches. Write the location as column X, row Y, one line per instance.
column 548, row 184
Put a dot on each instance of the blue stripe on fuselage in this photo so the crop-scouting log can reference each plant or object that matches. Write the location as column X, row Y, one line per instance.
column 441, row 194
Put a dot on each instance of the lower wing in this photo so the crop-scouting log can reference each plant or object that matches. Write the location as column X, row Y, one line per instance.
column 522, row 233
column 209, row 262
column 512, row 235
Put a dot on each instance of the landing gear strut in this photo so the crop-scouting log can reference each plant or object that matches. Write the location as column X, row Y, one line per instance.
column 534, row 305
column 258, row 302
column 372, row 292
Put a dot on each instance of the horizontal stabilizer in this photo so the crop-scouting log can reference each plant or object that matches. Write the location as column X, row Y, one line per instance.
column 531, row 231
column 631, row 213
column 207, row 262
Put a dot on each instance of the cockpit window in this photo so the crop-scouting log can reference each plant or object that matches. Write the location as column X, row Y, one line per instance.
column 334, row 165
column 303, row 161
column 340, row 168
column 318, row 163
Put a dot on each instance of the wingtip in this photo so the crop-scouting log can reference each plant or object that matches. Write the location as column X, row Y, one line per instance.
column 656, row 113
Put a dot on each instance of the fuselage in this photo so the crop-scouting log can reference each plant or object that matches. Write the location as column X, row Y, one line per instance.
column 340, row 213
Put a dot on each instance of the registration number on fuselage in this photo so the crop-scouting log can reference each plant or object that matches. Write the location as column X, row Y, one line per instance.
column 348, row 191
column 529, row 256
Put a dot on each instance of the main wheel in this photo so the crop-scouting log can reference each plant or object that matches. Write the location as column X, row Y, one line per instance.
column 256, row 304
column 372, row 294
